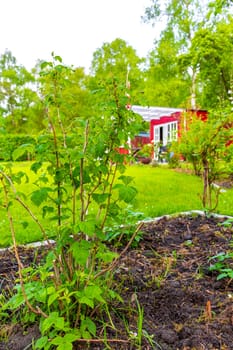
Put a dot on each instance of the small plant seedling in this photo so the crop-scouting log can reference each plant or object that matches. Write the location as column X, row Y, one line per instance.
column 223, row 265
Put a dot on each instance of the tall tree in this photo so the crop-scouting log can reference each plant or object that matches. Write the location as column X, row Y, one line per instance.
column 183, row 19
column 118, row 61
column 165, row 84
column 19, row 102
column 211, row 53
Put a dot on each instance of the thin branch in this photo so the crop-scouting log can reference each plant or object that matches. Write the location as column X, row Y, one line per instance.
column 82, row 194
column 25, row 206
column 58, row 166
column 109, row 197
column 115, row 261
column 36, row 310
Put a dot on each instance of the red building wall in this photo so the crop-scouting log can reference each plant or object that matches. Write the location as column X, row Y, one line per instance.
column 160, row 121
column 179, row 117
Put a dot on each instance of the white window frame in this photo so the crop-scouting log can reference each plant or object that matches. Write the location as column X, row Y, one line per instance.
column 172, row 131
column 156, row 134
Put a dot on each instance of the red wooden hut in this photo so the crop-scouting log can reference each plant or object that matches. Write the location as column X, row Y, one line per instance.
column 166, row 123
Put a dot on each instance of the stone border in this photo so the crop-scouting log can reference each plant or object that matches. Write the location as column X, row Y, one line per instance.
column 186, row 213
column 169, row 216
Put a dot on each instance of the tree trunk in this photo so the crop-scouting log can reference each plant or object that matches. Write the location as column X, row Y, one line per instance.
column 193, row 89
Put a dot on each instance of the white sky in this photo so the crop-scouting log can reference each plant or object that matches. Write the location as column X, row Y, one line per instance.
column 73, row 29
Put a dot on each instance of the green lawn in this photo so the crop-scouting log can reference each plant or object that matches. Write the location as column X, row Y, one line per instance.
column 160, row 191
column 164, row 191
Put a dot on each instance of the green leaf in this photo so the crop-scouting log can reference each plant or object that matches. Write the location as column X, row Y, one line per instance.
column 86, row 177
column 58, row 58
column 24, row 224
column 100, row 147
column 52, row 320
column 107, row 257
column 40, row 295
column 16, row 301
column 94, row 292
column 19, row 152
column 41, row 195
column 36, row 166
column 126, row 179
column 59, row 175
column 66, row 341
column 47, row 210
column 51, row 290
column 126, row 193
column 45, row 64
column 59, row 323
column 81, row 251
column 70, row 337
column 87, row 301
column 86, row 335
column 41, row 342
column 65, row 346
column 90, row 325
column 222, row 275
column 19, row 176
column 100, row 198
column 47, row 324
column 58, row 340
column 87, row 227
column 115, row 295
column 52, row 298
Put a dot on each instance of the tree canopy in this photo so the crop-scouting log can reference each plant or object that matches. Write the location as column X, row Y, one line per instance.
column 191, row 40
column 189, row 66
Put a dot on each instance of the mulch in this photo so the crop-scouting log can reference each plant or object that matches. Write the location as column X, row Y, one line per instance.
column 167, row 275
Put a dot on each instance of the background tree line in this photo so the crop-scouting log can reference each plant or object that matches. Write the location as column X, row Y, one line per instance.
column 190, row 66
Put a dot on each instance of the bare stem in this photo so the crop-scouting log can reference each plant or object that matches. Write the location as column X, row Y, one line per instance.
column 109, row 197
column 82, row 192
column 57, row 167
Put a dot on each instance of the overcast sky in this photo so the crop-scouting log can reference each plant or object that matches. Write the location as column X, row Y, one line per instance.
column 73, row 29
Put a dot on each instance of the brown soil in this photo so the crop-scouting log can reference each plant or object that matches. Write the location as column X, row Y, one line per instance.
column 185, row 306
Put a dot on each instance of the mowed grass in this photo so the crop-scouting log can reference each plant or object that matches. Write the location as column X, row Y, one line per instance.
column 161, row 191
column 164, row 191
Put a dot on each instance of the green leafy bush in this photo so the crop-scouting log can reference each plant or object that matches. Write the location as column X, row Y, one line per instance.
column 77, row 168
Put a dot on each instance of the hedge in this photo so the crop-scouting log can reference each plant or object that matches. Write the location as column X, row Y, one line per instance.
column 8, row 143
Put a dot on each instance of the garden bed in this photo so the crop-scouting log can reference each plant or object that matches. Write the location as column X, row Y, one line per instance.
column 185, row 306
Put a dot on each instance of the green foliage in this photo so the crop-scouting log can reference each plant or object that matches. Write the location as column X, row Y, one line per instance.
column 145, row 205
column 196, row 38
column 166, row 85
column 204, row 144
column 22, row 143
column 213, row 47
column 117, row 61
column 223, row 265
column 20, row 104
column 146, row 151
column 119, row 234
column 75, row 176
